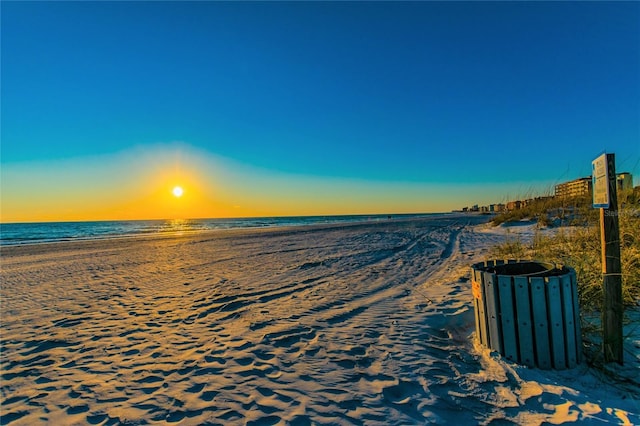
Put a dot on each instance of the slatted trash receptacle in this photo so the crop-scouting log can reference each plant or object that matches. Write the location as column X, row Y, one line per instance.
column 528, row 312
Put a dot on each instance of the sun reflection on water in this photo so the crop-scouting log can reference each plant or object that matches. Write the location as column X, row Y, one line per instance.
column 179, row 226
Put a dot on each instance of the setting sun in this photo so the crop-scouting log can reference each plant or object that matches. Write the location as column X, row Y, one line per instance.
column 177, row 191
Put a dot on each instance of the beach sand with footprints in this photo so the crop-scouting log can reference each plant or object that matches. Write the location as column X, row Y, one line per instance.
column 339, row 324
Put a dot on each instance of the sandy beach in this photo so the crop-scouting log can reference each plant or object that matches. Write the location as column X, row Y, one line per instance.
column 349, row 324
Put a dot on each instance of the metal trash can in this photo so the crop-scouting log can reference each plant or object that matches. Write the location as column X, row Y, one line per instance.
column 528, row 312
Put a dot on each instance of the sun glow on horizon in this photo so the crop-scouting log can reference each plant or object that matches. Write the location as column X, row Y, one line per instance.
column 177, row 191
column 160, row 182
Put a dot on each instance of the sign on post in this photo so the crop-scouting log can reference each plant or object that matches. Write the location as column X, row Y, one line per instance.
column 600, row 180
column 605, row 197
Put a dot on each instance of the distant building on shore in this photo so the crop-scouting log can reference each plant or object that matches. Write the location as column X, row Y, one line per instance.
column 583, row 186
column 514, row 205
column 625, row 181
column 574, row 188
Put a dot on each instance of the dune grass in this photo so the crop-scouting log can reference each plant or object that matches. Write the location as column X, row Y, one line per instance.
column 548, row 211
column 578, row 246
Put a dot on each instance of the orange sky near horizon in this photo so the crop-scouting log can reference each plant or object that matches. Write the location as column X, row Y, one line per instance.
column 133, row 185
column 137, row 184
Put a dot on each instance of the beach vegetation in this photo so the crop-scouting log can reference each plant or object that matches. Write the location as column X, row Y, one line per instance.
column 550, row 211
column 578, row 246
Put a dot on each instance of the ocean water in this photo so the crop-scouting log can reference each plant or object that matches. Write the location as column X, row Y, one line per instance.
column 32, row 233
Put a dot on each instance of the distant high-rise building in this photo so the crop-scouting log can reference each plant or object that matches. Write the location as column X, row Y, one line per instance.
column 574, row 188
column 625, row 181
column 582, row 186
column 514, row 205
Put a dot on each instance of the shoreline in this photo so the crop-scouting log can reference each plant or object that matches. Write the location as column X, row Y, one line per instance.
column 7, row 248
column 207, row 225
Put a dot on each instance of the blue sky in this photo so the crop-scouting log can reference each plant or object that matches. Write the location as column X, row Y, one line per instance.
column 497, row 97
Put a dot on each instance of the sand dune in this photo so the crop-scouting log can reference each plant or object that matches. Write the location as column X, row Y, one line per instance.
column 351, row 324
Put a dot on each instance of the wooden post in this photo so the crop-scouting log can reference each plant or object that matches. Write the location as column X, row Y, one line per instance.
column 612, row 271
